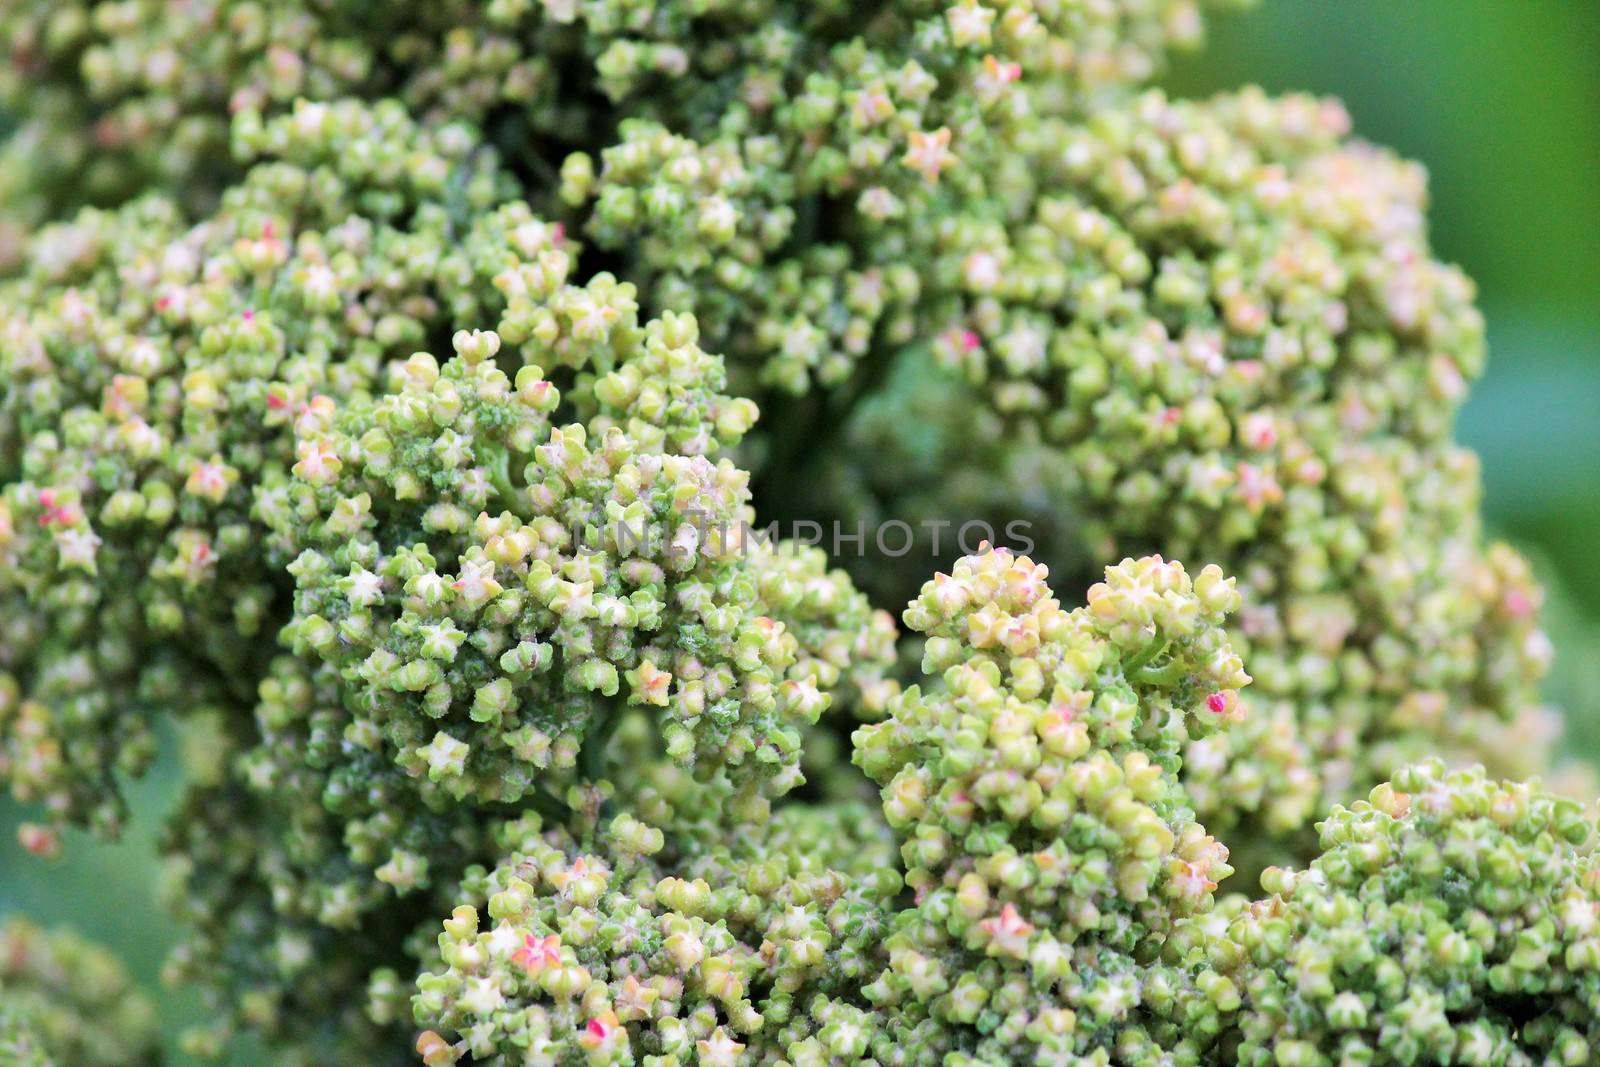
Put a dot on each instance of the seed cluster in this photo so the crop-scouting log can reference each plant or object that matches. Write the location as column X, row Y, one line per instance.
column 379, row 393
column 65, row 1002
column 1214, row 330
column 1449, row 918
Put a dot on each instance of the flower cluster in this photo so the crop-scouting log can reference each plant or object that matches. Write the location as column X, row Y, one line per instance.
column 788, row 218
column 443, row 537
column 1214, row 330
column 67, row 1003
column 482, row 593
column 357, row 794
column 1034, row 785
column 689, row 945
column 121, row 97
column 1449, row 918
column 300, row 865
column 155, row 371
column 497, row 587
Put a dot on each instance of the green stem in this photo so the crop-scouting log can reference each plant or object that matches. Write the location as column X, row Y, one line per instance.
column 1166, row 675
column 592, row 754
column 1143, row 656
column 497, row 465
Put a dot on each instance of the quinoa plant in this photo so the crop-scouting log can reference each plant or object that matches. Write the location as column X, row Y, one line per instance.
column 530, row 451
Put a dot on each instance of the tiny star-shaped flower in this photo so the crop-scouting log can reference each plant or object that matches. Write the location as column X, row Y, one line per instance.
column 600, row 1030
column 635, row 999
column 537, row 953
column 929, row 153
column 1008, row 934
column 719, row 1050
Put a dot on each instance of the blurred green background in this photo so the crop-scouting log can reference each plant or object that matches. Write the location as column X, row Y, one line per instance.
column 1501, row 101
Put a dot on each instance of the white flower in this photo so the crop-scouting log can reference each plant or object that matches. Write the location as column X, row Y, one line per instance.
column 969, row 24
column 929, row 153
column 362, row 588
column 719, row 1050
column 445, row 755
column 482, row 997
column 476, row 584
column 319, row 461
column 76, row 548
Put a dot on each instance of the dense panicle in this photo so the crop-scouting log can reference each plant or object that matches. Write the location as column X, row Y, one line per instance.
column 155, row 371
column 379, row 393
column 1448, row 918
column 1215, row 330
column 65, row 1002
column 689, row 944
column 1035, row 788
